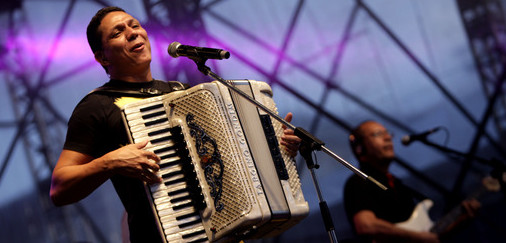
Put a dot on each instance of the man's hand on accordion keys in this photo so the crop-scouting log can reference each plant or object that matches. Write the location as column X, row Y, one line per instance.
column 133, row 161
column 289, row 141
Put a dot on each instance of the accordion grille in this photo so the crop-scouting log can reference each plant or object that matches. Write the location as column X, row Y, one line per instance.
column 210, row 114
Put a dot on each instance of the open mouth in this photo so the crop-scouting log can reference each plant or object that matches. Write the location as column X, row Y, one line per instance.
column 137, row 47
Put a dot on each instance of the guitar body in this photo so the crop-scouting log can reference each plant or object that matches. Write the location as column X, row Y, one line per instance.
column 421, row 222
column 419, row 219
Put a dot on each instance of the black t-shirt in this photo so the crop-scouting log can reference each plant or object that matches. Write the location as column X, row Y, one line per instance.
column 394, row 205
column 96, row 128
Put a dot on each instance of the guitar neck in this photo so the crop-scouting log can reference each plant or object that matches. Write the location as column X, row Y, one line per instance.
column 449, row 218
column 443, row 224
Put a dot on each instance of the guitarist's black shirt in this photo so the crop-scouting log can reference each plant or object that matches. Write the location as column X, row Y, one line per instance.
column 394, row 205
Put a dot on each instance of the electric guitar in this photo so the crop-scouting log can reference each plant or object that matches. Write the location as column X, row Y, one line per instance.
column 421, row 221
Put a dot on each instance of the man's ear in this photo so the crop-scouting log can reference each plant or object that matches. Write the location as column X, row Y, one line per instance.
column 101, row 58
column 356, row 144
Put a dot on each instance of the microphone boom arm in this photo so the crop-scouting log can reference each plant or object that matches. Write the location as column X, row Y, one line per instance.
column 309, row 143
column 307, row 137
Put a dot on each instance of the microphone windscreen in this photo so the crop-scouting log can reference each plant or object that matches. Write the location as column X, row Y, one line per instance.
column 406, row 140
column 172, row 50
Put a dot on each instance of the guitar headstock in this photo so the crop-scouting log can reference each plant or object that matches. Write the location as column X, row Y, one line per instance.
column 491, row 184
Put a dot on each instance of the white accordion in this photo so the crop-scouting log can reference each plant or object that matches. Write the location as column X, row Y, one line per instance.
column 225, row 176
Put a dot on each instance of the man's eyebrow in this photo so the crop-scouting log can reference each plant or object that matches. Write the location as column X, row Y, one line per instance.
column 133, row 21
column 129, row 22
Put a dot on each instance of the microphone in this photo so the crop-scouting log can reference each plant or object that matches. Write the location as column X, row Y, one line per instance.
column 194, row 52
column 406, row 140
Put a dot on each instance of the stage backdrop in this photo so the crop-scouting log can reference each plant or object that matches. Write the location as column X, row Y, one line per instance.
column 407, row 64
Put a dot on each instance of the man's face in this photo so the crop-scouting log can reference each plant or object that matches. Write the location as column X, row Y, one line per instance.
column 126, row 46
column 377, row 142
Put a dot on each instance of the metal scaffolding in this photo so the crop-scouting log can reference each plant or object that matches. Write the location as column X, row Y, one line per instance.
column 40, row 128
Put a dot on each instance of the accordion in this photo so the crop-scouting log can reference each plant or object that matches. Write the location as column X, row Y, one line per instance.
column 224, row 174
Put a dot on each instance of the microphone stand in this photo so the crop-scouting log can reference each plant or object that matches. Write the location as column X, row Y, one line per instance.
column 498, row 168
column 308, row 144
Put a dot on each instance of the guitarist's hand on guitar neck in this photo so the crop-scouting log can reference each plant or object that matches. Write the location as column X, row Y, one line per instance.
column 468, row 210
column 471, row 207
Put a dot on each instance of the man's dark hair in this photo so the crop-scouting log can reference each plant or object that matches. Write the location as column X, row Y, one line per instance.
column 92, row 33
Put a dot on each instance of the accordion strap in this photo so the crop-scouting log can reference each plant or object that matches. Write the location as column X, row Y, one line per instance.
column 144, row 92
